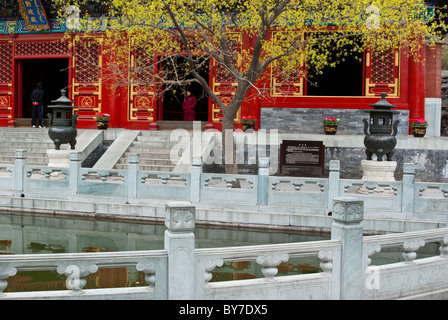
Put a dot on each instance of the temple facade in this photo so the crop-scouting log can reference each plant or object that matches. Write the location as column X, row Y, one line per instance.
column 32, row 52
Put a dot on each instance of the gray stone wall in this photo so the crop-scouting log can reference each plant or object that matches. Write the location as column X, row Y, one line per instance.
column 309, row 120
column 444, row 125
column 430, row 165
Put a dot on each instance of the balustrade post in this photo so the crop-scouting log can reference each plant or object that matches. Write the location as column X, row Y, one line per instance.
column 195, row 179
column 333, row 181
column 5, row 273
column 263, row 180
column 180, row 245
column 407, row 196
column 348, row 213
column 76, row 276
column 133, row 168
column 20, row 156
column 74, row 172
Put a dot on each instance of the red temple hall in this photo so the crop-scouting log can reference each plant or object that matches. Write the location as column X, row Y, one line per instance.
column 31, row 50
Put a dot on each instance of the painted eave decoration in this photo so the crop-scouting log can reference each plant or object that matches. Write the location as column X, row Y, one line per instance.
column 34, row 15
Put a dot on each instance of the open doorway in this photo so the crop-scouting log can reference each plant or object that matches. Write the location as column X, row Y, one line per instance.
column 53, row 73
column 173, row 98
column 344, row 79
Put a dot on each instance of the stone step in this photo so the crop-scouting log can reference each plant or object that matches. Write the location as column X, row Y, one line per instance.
column 25, row 133
column 152, row 138
column 148, row 162
column 38, row 145
column 34, row 162
column 10, row 157
column 29, row 149
column 164, row 144
column 149, row 149
column 26, row 122
column 25, row 137
column 165, row 168
column 172, row 125
column 149, row 155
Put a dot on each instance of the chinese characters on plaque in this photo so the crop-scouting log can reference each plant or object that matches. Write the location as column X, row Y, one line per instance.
column 302, row 158
column 34, row 15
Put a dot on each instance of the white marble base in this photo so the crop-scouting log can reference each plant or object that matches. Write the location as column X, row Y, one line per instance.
column 58, row 158
column 378, row 170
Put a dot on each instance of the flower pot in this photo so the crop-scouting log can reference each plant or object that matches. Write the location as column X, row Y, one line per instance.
column 419, row 131
column 102, row 124
column 248, row 126
column 330, row 130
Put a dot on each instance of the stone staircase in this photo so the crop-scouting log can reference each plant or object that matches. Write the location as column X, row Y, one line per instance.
column 154, row 148
column 36, row 141
column 172, row 125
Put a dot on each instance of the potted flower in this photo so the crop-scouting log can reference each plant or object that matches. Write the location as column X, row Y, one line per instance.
column 102, row 120
column 331, row 125
column 418, row 127
column 248, row 122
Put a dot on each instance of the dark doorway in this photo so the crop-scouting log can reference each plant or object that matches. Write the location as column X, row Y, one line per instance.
column 53, row 73
column 344, row 79
column 173, row 97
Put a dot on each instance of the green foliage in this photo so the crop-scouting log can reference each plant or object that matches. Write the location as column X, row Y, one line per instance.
column 284, row 36
column 445, row 60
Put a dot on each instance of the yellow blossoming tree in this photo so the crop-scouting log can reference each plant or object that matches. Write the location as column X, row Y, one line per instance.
column 284, row 34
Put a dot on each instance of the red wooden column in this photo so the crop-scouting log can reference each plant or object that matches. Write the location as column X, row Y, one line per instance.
column 417, row 86
column 6, row 83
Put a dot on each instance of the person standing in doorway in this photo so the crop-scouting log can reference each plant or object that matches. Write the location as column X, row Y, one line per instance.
column 189, row 106
column 37, row 99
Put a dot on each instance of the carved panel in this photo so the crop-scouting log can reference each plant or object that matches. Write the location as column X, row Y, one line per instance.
column 286, row 83
column 6, row 101
column 382, row 73
column 143, row 93
column 87, row 81
column 224, row 83
column 180, row 217
column 41, row 48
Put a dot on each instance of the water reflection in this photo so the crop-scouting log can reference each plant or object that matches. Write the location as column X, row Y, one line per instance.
column 22, row 234
column 40, row 234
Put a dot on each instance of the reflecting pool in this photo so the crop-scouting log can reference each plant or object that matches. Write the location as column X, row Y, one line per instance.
column 31, row 234
column 28, row 234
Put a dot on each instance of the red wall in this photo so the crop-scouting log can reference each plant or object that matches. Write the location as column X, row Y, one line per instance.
column 417, row 81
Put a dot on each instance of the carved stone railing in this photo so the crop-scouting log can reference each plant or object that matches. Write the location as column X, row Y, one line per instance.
column 405, row 198
column 219, row 187
column 181, row 271
column 411, row 275
column 77, row 266
column 269, row 257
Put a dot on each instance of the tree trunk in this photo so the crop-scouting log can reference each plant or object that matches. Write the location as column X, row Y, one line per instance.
column 228, row 147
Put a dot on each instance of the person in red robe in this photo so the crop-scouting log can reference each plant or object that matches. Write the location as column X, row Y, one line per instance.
column 188, row 106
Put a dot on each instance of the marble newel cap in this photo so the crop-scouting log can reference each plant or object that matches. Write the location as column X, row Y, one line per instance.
column 180, row 216
column 348, row 210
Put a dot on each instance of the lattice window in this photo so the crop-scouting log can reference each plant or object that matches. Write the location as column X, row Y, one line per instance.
column 143, row 73
column 6, row 62
column 383, row 67
column 41, row 48
column 222, row 73
column 87, row 55
column 287, row 73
